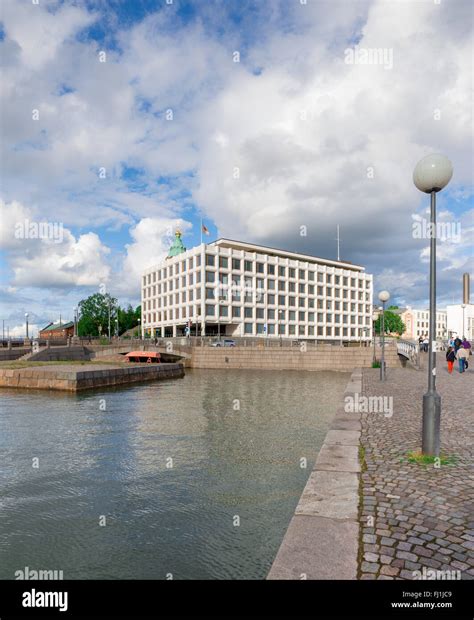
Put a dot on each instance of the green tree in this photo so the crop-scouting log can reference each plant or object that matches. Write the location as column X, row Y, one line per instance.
column 128, row 318
column 393, row 324
column 94, row 314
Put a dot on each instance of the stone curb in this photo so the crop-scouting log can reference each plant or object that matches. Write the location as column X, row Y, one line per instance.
column 322, row 539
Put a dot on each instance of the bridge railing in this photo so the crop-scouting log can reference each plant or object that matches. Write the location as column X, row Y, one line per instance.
column 410, row 350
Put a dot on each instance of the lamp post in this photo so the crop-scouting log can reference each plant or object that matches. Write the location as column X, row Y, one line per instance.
column 75, row 321
column 116, row 326
column 26, row 320
column 140, row 327
column 375, row 316
column 463, row 306
column 431, row 174
column 384, row 296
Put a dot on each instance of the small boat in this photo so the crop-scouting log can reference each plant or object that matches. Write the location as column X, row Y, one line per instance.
column 148, row 357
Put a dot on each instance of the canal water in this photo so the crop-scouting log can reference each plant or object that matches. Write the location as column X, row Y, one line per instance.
column 195, row 478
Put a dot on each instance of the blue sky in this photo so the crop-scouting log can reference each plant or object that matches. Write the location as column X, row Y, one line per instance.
column 170, row 128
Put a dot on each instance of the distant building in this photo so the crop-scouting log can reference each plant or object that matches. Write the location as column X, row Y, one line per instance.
column 460, row 320
column 57, row 330
column 233, row 288
column 417, row 323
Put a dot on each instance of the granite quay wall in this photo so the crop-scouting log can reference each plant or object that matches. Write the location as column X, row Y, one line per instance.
column 322, row 540
column 13, row 354
column 333, row 358
column 72, row 379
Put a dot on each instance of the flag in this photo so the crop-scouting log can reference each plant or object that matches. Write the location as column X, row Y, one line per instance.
column 205, row 230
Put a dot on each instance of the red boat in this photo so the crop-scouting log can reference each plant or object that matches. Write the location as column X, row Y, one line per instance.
column 148, row 357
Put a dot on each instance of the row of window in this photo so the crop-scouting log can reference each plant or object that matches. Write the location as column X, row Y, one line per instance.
column 272, row 300
column 248, row 266
column 260, row 286
column 236, row 312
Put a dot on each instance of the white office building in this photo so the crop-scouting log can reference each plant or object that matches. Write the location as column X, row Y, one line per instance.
column 460, row 320
column 417, row 323
column 235, row 289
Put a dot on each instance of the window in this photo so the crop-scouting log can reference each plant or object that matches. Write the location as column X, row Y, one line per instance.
column 281, row 300
column 248, row 313
column 260, row 313
column 260, row 328
column 301, row 316
column 292, row 315
column 236, row 263
column 271, row 270
column 302, row 288
column 281, row 272
column 301, row 329
column 320, row 277
column 210, row 310
column 236, row 311
column 281, row 285
column 210, row 260
column 248, row 265
column 248, row 328
column 291, row 287
column 210, row 276
column 209, row 293
column 291, row 301
column 311, row 289
column 301, row 302
column 271, row 315
column 291, row 273
column 223, row 311
column 271, row 300
column 271, row 285
column 311, row 276
column 271, row 328
column 260, row 267
column 291, row 330
column 311, row 317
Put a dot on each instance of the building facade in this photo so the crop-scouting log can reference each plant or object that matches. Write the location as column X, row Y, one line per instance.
column 57, row 330
column 417, row 323
column 231, row 288
column 461, row 320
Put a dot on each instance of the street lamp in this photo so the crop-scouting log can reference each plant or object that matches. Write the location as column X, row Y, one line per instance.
column 26, row 319
column 463, row 306
column 75, row 320
column 375, row 316
column 384, row 296
column 140, row 327
column 431, row 175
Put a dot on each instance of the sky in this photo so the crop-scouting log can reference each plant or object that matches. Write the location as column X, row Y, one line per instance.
column 272, row 120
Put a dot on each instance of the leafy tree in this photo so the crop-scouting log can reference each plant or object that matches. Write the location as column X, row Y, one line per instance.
column 393, row 324
column 94, row 314
column 128, row 318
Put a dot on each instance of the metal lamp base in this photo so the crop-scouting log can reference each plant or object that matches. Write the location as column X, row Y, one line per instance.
column 431, row 423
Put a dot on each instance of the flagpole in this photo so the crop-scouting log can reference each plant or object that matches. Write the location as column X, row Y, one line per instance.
column 201, row 231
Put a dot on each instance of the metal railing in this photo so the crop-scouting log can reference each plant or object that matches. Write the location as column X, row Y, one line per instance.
column 410, row 350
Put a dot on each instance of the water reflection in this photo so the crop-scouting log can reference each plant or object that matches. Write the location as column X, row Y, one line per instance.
column 235, row 439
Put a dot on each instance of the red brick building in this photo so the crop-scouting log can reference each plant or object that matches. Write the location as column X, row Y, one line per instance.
column 57, row 330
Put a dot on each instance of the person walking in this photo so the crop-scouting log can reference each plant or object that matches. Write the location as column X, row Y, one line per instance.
column 450, row 357
column 457, row 344
column 462, row 355
column 426, row 343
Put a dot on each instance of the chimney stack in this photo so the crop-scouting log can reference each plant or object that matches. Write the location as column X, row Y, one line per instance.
column 466, row 295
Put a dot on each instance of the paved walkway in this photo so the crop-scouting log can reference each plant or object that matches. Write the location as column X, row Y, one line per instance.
column 416, row 517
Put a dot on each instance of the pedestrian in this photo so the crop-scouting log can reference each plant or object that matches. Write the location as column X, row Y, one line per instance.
column 462, row 355
column 450, row 357
column 426, row 342
column 457, row 343
column 466, row 344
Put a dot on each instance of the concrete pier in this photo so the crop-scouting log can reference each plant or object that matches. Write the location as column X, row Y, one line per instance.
column 73, row 378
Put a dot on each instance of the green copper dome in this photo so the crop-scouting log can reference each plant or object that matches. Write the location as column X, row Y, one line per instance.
column 177, row 246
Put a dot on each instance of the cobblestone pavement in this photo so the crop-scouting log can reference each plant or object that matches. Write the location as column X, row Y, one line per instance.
column 417, row 517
